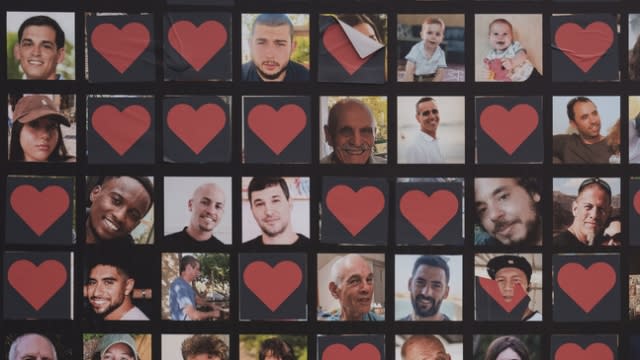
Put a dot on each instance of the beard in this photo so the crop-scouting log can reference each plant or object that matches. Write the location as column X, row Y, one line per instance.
column 419, row 311
column 272, row 232
column 271, row 77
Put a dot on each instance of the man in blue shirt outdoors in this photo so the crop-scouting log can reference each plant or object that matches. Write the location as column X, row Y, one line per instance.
column 183, row 299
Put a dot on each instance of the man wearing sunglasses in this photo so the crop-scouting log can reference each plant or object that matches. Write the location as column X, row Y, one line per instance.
column 591, row 210
column 424, row 148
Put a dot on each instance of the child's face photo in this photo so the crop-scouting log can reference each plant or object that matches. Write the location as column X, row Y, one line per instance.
column 432, row 34
column 500, row 36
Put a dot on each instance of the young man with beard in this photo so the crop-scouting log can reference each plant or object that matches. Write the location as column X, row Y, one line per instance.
column 207, row 208
column 272, row 45
column 271, row 207
column 590, row 209
column 109, row 288
column 507, row 211
column 428, row 287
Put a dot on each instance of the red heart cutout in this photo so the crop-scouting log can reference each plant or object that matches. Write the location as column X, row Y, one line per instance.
column 509, row 129
column 277, row 129
column 355, row 209
column 428, row 214
column 491, row 287
column 121, row 129
column 37, row 284
column 636, row 202
column 196, row 128
column 338, row 45
column 584, row 47
column 586, row 286
column 197, row 45
column 341, row 352
column 120, row 47
column 272, row 285
column 595, row 351
column 39, row 209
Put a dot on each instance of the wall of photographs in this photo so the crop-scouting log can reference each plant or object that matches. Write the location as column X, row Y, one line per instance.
column 302, row 179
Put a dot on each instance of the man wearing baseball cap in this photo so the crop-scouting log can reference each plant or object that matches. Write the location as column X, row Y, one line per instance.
column 36, row 134
column 116, row 346
column 510, row 271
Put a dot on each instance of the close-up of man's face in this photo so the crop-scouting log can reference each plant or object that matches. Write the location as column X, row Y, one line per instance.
column 117, row 207
column 354, row 136
column 37, row 52
column 355, row 288
column 591, row 209
column 506, row 210
column 271, row 49
column 34, row 346
column 118, row 351
column 192, row 271
column 508, row 278
column 428, row 288
column 206, row 207
column 586, row 119
column 107, row 288
column 428, row 117
column 271, row 209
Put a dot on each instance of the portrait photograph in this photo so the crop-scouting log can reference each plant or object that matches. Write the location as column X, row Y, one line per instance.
column 496, row 347
column 116, row 346
column 195, row 346
column 428, row 346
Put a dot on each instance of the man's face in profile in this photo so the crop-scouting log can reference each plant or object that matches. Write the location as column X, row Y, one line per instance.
column 428, row 288
column 508, row 278
column 37, row 53
column 506, row 210
column 207, row 208
column 271, row 48
column 354, row 136
column 34, row 347
column 271, row 209
column 106, row 289
column 428, row 117
column 591, row 209
column 117, row 207
column 586, row 120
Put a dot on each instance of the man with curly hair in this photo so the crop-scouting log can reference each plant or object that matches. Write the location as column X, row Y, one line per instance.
column 204, row 347
column 276, row 349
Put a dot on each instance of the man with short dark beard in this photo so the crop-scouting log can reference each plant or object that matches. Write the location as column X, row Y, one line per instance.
column 110, row 290
column 272, row 45
column 590, row 209
column 271, row 207
column 428, row 287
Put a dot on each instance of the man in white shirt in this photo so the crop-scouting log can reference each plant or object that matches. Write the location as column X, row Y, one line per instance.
column 424, row 147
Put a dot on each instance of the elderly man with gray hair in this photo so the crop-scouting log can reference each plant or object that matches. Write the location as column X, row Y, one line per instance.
column 352, row 285
column 33, row 347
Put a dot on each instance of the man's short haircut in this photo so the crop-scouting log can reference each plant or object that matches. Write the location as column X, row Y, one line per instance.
column 413, row 339
column 434, row 20
column 120, row 261
column 262, row 182
column 501, row 21
column 502, row 343
column 14, row 346
column 276, row 347
column 204, row 344
column 42, row 20
column 188, row 260
column 336, row 274
column 433, row 261
column 273, row 20
column 570, row 105
column 423, row 99
column 143, row 180
column 337, row 109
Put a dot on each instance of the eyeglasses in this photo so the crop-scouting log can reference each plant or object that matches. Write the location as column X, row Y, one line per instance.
column 603, row 184
column 429, row 112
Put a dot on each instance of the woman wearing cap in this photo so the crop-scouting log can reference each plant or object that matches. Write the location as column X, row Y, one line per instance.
column 36, row 135
column 507, row 348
